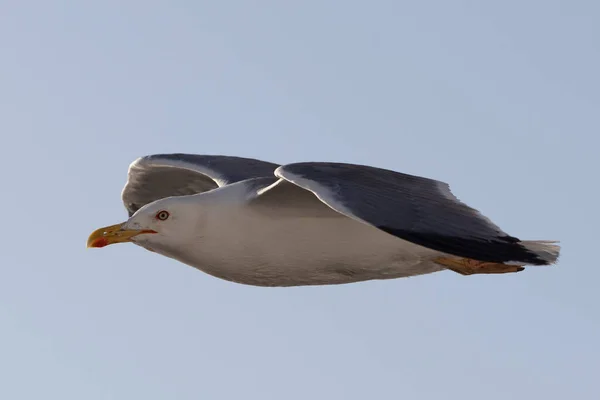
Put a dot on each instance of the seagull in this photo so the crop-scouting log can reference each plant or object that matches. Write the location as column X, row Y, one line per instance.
column 258, row 223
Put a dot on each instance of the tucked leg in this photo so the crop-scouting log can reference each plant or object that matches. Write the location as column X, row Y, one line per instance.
column 467, row 266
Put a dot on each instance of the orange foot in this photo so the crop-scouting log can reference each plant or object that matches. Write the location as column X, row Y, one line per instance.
column 467, row 266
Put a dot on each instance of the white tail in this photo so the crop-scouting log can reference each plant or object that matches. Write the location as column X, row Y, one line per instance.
column 547, row 250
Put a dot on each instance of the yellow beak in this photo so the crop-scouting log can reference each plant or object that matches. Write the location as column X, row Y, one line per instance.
column 113, row 234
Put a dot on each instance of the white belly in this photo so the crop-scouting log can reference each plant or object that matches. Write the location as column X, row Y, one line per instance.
column 246, row 247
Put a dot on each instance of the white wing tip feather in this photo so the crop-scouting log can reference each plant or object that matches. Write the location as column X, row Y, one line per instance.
column 547, row 250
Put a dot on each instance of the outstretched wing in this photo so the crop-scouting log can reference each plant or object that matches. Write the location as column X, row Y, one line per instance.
column 157, row 176
column 420, row 210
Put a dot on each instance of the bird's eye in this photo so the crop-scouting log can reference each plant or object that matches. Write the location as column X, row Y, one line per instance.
column 162, row 215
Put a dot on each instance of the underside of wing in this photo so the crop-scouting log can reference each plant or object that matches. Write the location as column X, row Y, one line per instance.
column 164, row 175
column 420, row 210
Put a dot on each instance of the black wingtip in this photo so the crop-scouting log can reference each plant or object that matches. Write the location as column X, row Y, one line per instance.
column 502, row 249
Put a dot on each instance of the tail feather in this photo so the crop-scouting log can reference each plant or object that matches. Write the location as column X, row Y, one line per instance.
column 546, row 250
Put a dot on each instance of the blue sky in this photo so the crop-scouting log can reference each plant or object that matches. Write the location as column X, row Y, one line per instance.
column 500, row 99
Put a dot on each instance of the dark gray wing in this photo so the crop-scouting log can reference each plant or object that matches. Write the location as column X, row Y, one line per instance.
column 420, row 210
column 158, row 176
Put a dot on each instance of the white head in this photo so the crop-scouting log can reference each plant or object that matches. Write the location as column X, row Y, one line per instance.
column 164, row 224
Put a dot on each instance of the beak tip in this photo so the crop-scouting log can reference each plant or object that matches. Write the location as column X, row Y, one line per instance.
column 97, row 243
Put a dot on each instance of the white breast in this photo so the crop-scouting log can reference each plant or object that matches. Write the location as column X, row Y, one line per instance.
column 270, row 248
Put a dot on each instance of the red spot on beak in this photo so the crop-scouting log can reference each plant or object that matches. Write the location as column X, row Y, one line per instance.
column 100, row 242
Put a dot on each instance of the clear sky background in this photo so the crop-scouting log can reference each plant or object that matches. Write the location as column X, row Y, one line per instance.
column 500, row 98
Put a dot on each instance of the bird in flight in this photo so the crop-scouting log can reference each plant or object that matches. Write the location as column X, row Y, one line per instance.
column 311, row 223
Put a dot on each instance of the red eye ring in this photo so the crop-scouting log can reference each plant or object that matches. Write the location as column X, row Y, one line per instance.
column 162, row 215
